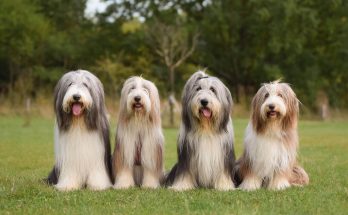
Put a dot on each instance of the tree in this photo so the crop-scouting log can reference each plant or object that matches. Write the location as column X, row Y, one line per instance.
column 173, row 45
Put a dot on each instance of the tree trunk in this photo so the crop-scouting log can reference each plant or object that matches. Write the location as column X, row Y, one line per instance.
column 171, row 98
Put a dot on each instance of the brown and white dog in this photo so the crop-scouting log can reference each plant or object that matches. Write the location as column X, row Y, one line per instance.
column 271, row 141
column 138, row 155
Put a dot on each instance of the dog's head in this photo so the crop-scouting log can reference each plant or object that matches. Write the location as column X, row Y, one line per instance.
column 139, row 97
column 78, row 94
column 274, row 102
column 207, row 101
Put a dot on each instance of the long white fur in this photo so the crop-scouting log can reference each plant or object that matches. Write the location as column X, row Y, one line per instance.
column 79, row 155
column 206, row 143
column 267, row 151
column 139, row 129
column 79, row 152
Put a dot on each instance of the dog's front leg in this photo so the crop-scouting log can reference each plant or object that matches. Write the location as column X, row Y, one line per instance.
column 98, row 179
column 151, row 179
column 183, row 182
column 124, row 179
column 251, row 182
column 279, row 182
column 224, row 182
column 69, row 181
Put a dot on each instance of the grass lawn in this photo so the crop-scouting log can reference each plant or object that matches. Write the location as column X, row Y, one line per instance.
column 26, row 156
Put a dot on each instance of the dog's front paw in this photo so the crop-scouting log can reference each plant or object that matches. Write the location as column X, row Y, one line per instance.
column 250, row 184
column 99, row 186
column 224, row 184
column 279, row 184
column 123, row 185
column 66, row 187
column 180, row 187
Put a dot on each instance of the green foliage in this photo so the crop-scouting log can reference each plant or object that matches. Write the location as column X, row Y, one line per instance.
column 243, row 42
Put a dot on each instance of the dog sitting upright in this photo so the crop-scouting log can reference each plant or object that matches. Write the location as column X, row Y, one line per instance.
column 82, row 145
column 138, row 155
column 205, row 144
column 271, row 141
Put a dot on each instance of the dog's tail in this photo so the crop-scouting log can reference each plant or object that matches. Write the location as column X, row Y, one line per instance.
column 52, row 178
column 237, row 177
column 299, row 177
column 169, row 177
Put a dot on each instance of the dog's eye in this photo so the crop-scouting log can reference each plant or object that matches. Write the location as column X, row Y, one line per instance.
column 132, row 88
column 267, row 95
column 70, row 84
column 84, row 84
column 213, row 90
column 280, row 95
column 198, row 88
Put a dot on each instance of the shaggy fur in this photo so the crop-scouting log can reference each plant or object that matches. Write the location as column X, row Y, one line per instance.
column 138, row 155
column 82, row 145
column 271, row 141
column 205, row 144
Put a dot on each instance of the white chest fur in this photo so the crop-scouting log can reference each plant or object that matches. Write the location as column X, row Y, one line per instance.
column 207, row 161
column 141, row 135
column 267, row 152
column 79, row 151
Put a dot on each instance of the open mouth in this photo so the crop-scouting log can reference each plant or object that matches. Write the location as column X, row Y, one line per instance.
column 272, row 113
column 137, row 106
column 77, row 108
column 205, row 112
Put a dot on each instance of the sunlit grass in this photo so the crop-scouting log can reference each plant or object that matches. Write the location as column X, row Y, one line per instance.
column 26, row 156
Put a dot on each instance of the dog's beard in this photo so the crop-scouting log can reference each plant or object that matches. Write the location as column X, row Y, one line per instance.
column 273, row 115
column 138, row 109
column 205, row 117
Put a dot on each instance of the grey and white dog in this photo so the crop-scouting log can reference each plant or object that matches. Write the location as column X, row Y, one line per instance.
column 205, row 144
column 82, row 144
column 138, row 155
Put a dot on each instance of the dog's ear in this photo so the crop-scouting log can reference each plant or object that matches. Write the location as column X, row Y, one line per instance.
column 123, row 101
column 292, row 106
column 155, row 113
column 63, row 119
column 256, row 104
column 98, row 105
column 227, row 107
column 193, row 80
column 187, row 96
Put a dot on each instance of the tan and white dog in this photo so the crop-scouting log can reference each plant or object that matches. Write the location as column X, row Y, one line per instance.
column 271, row 141
column 138, row 155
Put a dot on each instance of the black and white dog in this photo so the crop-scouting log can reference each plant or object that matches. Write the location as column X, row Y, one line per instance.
column 82, row 144
column 205, row 144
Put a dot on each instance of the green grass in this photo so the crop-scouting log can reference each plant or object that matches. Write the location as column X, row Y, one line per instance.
column 26, row 156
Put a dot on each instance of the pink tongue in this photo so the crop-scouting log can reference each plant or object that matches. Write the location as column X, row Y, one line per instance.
column 76, row 109
column 206, row 112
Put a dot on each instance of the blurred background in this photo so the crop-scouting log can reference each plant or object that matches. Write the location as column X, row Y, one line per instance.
column 243, row 42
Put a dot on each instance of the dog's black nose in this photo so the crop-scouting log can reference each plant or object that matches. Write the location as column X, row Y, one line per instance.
column 204, row 102
column 271, row 106
column 76, row 97
column 137, row 98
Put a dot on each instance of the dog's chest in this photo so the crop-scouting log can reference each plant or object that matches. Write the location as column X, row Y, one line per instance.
column 81, row 147
column 207, row 160
column 268, row 154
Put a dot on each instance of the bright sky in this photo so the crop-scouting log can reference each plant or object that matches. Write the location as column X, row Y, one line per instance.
column 94, row 6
